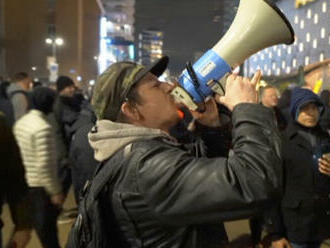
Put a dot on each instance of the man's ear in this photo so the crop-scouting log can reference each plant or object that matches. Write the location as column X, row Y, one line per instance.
column 130, row 112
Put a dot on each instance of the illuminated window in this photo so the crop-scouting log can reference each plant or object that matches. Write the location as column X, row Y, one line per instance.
column 302, row 24
column 301, row 47
column 321, row 57
column 274, row 66
column 289, row 50
column 269, row 72
column 309, row 13
column 315, row 43
column 279, row 53
column 288, row 69
column 324, row 7
column 294, row 63
column 306, row 60
column 283, row 64
column 322, row 33
column 296, row 19
column 278, row 71
column 262, row 56
column 316, row 19
column 308, row 37
column 270, row 55
column 274, row 48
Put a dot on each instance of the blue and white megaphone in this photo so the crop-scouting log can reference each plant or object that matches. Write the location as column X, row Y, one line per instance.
column 258, row 24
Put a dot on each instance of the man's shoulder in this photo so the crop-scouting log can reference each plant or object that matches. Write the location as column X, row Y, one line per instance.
column 147, row 144
column 33, row 122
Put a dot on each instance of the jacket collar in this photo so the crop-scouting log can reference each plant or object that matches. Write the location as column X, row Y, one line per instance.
column 293, row 135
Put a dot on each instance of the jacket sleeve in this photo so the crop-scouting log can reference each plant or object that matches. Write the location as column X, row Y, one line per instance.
column 182, row 189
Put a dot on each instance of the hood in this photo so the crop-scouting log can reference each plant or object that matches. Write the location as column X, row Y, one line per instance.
column 107, row 137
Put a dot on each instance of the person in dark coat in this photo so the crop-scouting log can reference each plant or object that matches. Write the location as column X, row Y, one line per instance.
column 325, row 118
column 81, row 153
column 13, row 187
column 5, row 104
column 303, row 218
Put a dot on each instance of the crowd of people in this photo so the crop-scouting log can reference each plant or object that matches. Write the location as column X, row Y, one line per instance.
column 251, row 155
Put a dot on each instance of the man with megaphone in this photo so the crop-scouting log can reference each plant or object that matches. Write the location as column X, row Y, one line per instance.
column 157, row 192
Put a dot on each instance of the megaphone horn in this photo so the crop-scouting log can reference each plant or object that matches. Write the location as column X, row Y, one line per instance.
column 258, row 24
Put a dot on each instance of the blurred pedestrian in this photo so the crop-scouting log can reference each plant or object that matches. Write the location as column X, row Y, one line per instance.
column 5, row 104
column 18, row 94
column 13, row 187
column 36, row 140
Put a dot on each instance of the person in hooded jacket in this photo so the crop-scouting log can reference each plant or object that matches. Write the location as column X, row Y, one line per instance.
column 163, row 194
column 303, row 218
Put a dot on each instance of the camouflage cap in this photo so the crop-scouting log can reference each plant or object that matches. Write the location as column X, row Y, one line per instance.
column 113, row 85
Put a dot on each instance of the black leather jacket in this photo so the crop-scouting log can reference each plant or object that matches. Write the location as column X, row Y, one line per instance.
column 164, row 196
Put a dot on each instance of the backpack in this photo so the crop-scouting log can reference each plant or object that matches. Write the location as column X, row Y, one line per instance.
column 95, row 226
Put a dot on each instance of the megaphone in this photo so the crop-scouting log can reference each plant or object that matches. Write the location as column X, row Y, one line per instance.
column 258, row 24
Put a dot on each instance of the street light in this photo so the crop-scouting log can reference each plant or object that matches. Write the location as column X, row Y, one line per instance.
column 54, row 42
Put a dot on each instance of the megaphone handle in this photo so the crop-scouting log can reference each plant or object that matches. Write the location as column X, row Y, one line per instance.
column 195, row 81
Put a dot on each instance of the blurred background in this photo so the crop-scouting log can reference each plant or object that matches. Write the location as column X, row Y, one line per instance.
column 80, row 38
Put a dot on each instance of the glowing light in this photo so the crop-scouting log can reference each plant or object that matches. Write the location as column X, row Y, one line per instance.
column 306, row 60
column 59, row 41
column 308, row 37
column 278, row 71
column 49, row 41
column 294, row 63
column 302, row 24
column 322, row 33
column 324, row 7
column 316, row 19
column 315, row 43
column 309, row 13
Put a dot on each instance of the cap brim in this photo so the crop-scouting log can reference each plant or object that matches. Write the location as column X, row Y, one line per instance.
column 156, row 68
column 159, row 67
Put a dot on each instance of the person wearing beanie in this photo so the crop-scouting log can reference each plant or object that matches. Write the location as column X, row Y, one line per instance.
column 303, row 217
column 36, row 140
column 67, row 108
